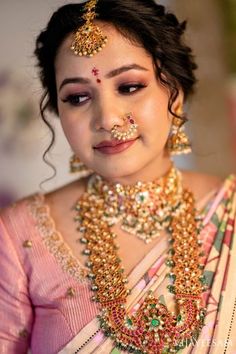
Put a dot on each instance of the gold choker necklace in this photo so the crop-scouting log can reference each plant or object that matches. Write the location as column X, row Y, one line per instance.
column 144, row 209
column 153, row 329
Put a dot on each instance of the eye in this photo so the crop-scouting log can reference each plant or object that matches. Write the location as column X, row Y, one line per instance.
column 76, row 99
column 130, row 88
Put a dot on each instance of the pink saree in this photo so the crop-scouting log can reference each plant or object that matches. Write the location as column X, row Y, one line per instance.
column 45, row 296
column 218, row 336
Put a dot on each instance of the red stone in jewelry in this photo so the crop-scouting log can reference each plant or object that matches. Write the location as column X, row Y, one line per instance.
column 129, row 116
column 95, row 73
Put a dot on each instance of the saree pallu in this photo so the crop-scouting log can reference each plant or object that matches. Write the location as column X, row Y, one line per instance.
column 218, row 335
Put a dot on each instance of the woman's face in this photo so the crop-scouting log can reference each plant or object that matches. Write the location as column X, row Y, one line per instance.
column 94, row 94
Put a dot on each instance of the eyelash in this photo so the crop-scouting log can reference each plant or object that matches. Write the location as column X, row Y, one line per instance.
column 74, row 99
column 138, row 87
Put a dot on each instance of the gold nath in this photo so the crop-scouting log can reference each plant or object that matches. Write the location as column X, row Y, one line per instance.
column 88, row 39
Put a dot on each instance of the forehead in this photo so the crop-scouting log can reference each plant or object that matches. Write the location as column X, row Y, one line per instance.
column 118, row 51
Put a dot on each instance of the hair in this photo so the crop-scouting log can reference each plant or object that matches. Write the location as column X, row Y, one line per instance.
column 143, row 22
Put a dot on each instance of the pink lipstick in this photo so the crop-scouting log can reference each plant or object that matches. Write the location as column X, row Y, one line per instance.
column 110, row 147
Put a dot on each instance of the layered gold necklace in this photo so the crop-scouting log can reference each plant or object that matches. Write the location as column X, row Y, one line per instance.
column 144, row 209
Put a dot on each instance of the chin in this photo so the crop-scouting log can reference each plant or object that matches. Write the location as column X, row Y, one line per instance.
column 120, row 171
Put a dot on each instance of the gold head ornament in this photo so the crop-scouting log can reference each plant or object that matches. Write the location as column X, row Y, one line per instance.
column 88, row 39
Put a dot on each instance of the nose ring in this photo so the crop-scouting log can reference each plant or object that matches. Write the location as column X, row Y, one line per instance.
column 128, row 131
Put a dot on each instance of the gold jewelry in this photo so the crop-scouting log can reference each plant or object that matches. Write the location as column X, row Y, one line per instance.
column 131, row 129
column 144, row 208
column 77, row 166
column 153, row 329
column 88, row 39
column 178, row 142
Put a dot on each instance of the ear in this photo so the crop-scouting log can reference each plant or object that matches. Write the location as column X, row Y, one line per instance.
column 177, row 106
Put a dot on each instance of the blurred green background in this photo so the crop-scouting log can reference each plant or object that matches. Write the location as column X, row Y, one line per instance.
column 228, row 10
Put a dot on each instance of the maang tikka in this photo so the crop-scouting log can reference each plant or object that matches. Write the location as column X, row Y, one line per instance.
column 128, row 131
column 178, row 142
column 88, row 39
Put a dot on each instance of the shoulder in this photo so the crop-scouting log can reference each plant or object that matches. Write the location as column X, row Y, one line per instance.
column 67, row 193
column 17, row 221
column 201, row 184
column 21, row 217
column 15, row 211
column 60, row 203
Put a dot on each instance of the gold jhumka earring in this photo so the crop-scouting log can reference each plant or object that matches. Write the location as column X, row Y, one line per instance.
column 77, row 166
column 88, row 39
column 178, row 142
column 128, row 131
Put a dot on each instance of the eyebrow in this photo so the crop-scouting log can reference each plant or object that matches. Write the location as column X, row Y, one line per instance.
column 123, row 69
column 111, row 74
column 74, row 80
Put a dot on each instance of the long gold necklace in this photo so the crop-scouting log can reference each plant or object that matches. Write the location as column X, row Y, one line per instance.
column 153, row 328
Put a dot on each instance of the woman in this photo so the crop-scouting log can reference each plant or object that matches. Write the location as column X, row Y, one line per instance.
column 117, row 73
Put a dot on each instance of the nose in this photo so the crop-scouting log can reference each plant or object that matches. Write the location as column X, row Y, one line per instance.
column 108, row 113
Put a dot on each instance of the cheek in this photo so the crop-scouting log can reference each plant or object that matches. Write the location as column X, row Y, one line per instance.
column 76, row 131
column 155, row 119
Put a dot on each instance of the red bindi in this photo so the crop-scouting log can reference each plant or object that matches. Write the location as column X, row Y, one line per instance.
column 95, row 73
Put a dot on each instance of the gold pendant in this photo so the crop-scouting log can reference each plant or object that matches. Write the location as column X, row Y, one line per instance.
column 152, row 329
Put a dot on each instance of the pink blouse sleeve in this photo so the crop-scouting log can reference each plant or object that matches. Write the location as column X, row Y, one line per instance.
column 15, row 307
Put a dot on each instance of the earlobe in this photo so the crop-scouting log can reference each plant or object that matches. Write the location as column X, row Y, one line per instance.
column 178, row 142
column 177, row 106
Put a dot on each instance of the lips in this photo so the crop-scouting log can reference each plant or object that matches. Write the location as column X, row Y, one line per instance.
column 107, row 143
column 110, row 147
